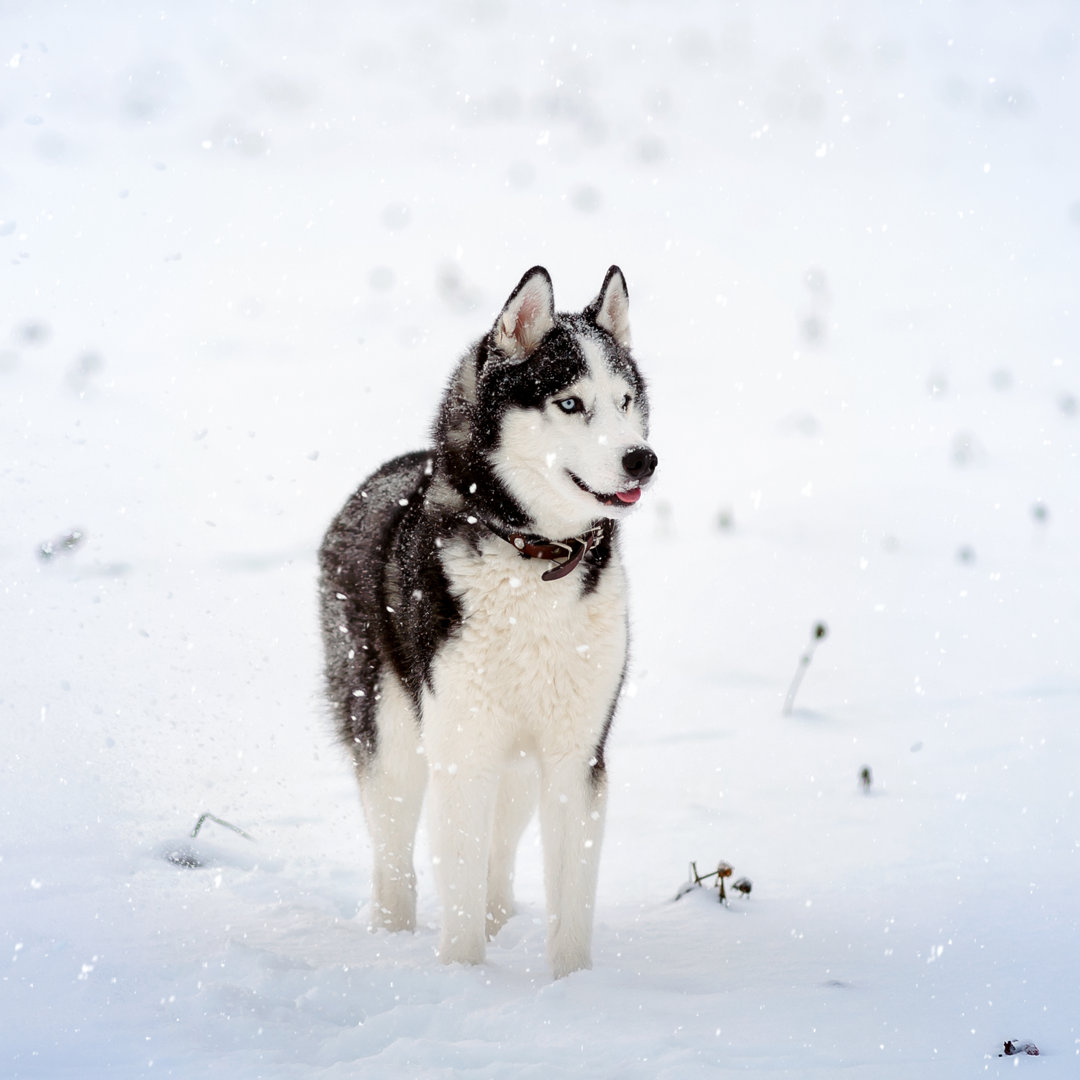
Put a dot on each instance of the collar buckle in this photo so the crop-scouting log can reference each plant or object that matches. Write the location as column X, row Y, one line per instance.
column 570, row 551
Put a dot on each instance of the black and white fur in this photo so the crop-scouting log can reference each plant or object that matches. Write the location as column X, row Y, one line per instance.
column 452, row 662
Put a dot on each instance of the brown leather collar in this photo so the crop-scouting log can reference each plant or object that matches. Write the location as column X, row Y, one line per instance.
column 570, row 552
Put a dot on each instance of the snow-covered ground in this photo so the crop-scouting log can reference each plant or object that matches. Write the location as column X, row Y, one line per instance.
column 242, row 245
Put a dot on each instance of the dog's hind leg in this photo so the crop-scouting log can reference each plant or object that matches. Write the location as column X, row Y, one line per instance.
column 392, row 791
column 572, row 803
column 514, row 806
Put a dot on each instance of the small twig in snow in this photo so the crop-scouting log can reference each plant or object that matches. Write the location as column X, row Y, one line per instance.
column 818, row 634
column 217, row 820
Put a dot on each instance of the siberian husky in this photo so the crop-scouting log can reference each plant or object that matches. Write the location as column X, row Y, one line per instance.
column 475, row 626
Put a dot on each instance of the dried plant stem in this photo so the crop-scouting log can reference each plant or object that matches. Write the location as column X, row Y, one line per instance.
column 228, row 825
column 817, row 635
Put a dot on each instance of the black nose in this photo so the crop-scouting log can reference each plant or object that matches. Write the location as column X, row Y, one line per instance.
column 639, row 463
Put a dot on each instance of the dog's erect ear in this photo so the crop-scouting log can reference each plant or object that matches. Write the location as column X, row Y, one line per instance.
column 528, row 315
column 611, row 309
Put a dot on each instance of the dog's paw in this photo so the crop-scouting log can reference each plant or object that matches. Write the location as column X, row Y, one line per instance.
column 394, row 918
column 462, row 949
column 498, row 915
column 568, row 961
column 383, row 920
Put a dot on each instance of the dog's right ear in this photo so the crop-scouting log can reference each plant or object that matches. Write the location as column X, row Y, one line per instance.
column 528, row 315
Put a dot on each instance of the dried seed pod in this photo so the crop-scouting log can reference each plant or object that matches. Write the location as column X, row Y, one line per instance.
column 1018, row 1047
column 723, row 871
column 743, row 885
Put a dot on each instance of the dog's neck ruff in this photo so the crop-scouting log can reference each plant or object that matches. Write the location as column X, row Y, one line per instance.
column 566, row 554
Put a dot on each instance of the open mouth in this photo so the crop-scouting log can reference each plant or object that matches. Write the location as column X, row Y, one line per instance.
column 616, row 498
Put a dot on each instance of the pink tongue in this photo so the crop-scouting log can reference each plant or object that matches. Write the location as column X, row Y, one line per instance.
column 630, row 496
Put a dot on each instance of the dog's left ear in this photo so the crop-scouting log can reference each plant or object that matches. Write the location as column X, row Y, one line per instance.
column 611, row 309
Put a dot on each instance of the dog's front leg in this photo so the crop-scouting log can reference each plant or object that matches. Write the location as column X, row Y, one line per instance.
column 572, row 804
column 462, row 796
column 514, row 806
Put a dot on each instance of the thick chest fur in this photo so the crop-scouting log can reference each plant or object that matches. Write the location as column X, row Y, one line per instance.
column 536, row 665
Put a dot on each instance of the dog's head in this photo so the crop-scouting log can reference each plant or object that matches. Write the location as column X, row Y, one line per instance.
column 554, row 407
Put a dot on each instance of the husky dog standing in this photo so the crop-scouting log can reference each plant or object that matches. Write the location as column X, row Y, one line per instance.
column 475, row 625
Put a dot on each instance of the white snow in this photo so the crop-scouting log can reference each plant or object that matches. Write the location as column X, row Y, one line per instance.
column 242, row 246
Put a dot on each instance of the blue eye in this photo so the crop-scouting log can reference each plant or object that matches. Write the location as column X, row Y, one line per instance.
column 571, row 404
